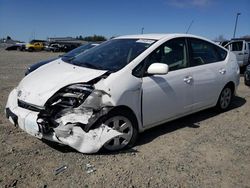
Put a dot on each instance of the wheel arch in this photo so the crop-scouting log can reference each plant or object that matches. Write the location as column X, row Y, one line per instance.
column 230, row 84
column 126, row 109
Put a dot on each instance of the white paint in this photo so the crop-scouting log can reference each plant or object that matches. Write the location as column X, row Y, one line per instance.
column 80, row 115
column 243, row 54
column 158, row 98
column 41, row 84
column 157, row 68
column 90, row 142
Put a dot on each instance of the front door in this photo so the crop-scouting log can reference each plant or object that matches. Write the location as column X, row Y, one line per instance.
column 167, row 96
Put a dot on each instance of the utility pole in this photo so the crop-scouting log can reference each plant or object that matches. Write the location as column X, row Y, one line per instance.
column 142, row 29
column 236, row 21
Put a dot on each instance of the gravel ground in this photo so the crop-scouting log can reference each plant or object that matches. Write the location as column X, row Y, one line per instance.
column 206, row 149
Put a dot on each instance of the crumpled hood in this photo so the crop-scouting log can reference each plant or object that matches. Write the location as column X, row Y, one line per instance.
column 37, row 87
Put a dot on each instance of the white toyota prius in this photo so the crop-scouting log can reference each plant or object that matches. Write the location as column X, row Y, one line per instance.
column 103, row 98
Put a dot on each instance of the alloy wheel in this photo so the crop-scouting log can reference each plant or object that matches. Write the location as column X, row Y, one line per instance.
column 123, row 125
column 225, row 98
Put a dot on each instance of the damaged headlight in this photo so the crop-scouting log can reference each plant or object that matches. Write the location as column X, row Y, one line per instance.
column 71, row 96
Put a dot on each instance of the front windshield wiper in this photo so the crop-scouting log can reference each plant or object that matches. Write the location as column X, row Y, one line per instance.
column 68, row 59
column 89, row 65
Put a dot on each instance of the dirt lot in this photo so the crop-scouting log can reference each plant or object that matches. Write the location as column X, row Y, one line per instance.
column 206, row 149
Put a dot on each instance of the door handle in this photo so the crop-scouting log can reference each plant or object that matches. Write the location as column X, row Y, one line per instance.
column 188, row 79
column 222, row 71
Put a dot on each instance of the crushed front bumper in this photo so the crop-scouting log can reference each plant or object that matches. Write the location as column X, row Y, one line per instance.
column 23, row 118
column 85, row 142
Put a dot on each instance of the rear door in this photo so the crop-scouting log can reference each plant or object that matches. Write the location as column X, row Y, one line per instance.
column 208, row 72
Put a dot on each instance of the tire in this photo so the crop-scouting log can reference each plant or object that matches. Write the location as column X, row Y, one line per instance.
column 225, row 98
column 124, row 122
column 247, row 78
column 31, row 49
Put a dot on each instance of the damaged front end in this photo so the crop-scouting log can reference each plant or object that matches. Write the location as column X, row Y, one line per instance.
column 72, row 116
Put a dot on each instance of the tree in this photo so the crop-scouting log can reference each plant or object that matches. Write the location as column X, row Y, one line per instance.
column 94, row 38
column 220, row 38
column 8, row 38
column 80, row 37
column 246, row 36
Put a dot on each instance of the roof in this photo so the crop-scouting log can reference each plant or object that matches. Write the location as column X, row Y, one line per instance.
column 155, row 36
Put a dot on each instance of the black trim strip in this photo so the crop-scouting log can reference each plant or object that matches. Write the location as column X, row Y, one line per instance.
column 13, row 116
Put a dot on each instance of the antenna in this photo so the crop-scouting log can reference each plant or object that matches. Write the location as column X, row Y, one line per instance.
column 142, row 30
column 190, row 26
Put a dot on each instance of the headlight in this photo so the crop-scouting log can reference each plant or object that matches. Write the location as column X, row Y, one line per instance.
column 71, row 96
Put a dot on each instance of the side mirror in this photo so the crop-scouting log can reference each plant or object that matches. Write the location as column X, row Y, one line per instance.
column 158, row 68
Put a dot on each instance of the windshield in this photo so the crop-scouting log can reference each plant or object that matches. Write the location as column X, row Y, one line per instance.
column 112, row 55
column 79, row 50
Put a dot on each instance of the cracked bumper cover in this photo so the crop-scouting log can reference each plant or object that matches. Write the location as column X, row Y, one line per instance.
column 73, row 136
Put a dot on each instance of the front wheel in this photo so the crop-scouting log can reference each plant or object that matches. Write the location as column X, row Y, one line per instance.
column 225, row 98
column 125, row 123
column 31, row 49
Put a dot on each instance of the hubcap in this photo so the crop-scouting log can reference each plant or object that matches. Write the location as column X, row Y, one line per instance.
column 225, row 98
column 123, row 125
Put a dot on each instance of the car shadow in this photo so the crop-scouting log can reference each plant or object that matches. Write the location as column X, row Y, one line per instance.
column 59, row 147
column 68, row 149
column 191, row 121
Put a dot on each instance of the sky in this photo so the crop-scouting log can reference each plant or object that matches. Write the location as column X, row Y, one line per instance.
column 27, row 19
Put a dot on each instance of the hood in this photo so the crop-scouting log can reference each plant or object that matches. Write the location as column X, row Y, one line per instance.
column 37, row 87
column 37, row 65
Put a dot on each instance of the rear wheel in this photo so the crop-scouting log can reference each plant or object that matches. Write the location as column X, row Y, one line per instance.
column 225, row 98
column 125, row 123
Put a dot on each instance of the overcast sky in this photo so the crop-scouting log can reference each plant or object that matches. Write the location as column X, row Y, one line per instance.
column 26, row 19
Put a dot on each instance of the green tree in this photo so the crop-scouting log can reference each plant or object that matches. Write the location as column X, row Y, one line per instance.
column 95, row 38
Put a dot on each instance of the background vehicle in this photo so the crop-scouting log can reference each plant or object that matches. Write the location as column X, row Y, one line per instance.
column 54, row 47
column 241, row 49
column 247, row 76
column 68, row 47
column 17, row 46
column 223, row 43
column 68, row 55
column 36, row 46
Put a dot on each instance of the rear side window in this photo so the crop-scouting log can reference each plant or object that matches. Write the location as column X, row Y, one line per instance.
column 222, row 53
column 203, row 52
column 237, row 46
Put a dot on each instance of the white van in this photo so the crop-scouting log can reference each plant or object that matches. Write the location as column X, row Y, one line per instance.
column 241, row 49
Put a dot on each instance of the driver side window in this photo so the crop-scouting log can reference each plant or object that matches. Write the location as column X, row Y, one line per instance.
column 173, row 53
